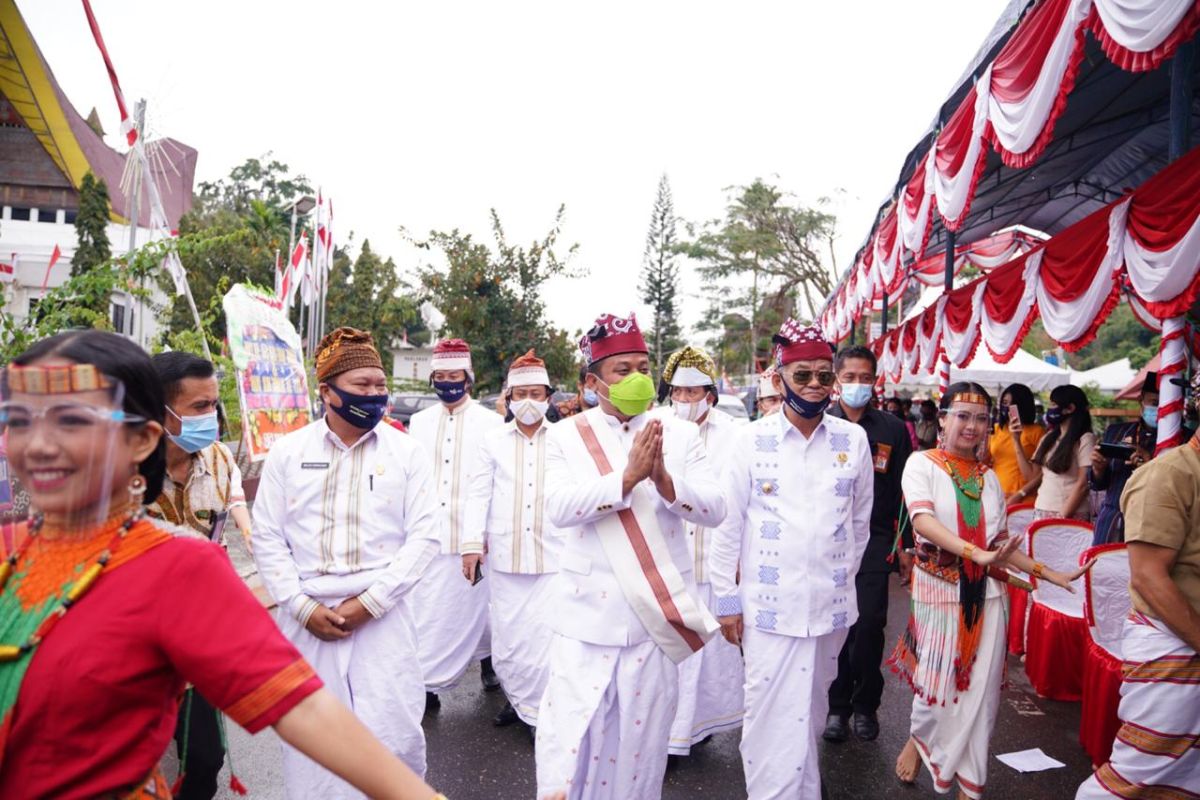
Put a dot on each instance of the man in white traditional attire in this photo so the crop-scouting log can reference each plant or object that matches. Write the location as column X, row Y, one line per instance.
column 710, row 682
column 800, row 485
column 1156, row 753
column 452, row 612
column 344, row 527
column 767, row 400
column 624, row 605
column 507, row 531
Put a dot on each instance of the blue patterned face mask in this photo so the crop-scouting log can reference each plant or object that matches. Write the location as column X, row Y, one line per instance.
column 360, row 410
column 805, row 408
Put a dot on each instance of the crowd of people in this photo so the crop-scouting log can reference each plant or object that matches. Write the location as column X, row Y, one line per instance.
column 633, row 578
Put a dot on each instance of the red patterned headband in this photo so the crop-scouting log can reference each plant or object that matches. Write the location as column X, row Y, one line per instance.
column 65, row 379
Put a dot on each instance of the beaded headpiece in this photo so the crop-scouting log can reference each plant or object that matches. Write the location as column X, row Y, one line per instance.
column 55, row 379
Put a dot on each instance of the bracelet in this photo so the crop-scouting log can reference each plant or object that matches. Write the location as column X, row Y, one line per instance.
column 1038, row 569
column 968, row 548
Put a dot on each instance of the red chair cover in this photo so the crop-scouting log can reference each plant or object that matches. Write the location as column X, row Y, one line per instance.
column 1099, row 723
column 1020, row 516
column 1054, row 654
column 1018, row 603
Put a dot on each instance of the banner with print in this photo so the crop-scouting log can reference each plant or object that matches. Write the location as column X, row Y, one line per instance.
column 272, row 384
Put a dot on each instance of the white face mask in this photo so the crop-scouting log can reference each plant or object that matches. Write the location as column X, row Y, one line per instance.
column 527, row 412
column 690, row 411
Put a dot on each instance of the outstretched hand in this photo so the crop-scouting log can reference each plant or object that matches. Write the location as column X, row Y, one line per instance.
column 1064, row 579
column 998, row 557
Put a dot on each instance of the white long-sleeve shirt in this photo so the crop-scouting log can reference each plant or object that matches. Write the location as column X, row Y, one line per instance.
column 798, row 521
column 506, row 504
column 452, row 440
column 325, row 509
column 586, row 601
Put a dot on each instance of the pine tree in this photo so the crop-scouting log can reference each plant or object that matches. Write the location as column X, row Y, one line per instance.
column 660, row 277
column 91, row 226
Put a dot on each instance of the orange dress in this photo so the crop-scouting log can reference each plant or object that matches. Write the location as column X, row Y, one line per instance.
column 1004, row 455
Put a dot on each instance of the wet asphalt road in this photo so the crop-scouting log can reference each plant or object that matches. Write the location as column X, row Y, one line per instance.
column 469, row 759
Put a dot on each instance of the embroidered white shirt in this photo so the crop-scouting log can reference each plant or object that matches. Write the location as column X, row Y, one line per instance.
column 213, row 487
column 327, row 509
column 452, row 439
column 798, row 522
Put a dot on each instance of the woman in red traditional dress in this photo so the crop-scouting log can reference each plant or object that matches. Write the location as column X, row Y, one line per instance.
column 104, row 616
column 952, row 652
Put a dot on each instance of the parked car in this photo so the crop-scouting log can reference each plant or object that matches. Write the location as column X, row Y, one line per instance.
column 405, row 405
column 732, row 405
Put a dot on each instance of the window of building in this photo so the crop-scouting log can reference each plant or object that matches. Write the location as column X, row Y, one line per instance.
column 69, row 216
column 21, row 213
column 47, row 215
column 118, row 317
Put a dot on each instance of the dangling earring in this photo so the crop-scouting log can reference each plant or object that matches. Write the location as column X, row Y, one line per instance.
column 137, row 490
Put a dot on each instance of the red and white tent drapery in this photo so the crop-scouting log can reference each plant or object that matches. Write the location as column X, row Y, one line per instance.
column 1145, row 246
column 1012, row 108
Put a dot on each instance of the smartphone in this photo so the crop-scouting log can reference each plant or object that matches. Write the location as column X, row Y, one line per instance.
column 478, row 576
column 1117, row 450
column 1014, row 413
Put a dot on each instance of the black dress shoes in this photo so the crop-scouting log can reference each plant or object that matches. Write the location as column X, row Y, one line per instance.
column 507, row 716
column 487, row 676
column 836, row 729
column 866, row 726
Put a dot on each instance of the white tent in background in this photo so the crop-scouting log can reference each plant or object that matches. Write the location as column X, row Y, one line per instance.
column 987, row 372
column 1110, row 378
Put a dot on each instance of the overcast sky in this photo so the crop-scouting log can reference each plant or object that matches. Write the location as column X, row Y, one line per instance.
column 426, row 115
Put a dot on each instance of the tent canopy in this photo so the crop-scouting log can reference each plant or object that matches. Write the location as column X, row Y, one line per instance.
column 1024, row 368
column 1110, row 378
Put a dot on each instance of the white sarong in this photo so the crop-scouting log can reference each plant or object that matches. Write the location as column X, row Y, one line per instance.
column 787, row 698
column 952, row 732
column 604, row 721
column 710, row 689
column 374, row 672
column 521, row 639
column 451, row 618
column 1157, row 751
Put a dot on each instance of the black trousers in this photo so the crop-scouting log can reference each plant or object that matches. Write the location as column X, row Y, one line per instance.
column 859, row 684
column 205, row 753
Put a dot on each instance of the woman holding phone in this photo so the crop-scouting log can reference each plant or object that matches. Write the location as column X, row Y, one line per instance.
column 1062, row 458
column 1013, row 441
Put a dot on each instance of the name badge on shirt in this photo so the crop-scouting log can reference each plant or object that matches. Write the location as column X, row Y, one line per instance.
column 883, row 456
column 314, row 465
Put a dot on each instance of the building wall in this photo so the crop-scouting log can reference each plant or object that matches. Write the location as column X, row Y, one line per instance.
column 33, row 242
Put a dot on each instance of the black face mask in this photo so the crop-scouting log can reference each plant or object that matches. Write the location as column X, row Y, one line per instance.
column 360, row 410
column 450, row 392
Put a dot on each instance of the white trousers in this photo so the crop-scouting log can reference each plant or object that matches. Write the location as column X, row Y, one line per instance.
column 604, row 721
column 710, row 689
column 451, row 617
column 521, row 639
column 787, row 699
column 1156, row 752
column 376, row 674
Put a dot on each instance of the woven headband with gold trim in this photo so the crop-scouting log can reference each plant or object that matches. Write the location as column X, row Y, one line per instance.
column 970, row 397
column 63, row 379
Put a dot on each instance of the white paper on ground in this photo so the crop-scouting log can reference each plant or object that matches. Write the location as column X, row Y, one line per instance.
column 1030, row 760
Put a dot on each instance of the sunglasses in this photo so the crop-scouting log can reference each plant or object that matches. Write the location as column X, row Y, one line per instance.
column 803, row 377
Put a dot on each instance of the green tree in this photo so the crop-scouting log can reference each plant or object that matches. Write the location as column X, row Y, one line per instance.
column 492, row 298
column 660, row 277
column 91, row 227
column 1121, row 336
column 772, row 246
column 264, row 179
column 368, row 295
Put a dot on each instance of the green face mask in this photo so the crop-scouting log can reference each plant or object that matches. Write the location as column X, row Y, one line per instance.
column 633, row 394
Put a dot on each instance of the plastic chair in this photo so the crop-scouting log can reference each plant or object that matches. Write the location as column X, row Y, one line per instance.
column 1057, row 635
column 1106, row 605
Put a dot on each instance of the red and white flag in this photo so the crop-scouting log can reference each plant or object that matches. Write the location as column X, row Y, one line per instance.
column 54, row 257
column 8, row 272
column 295, row 271
column 127, row 126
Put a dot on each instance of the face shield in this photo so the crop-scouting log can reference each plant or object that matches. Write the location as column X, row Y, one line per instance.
column 70, row 444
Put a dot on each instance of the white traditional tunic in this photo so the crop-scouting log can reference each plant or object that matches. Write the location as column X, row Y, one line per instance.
column 710, row 682
column 451, row 614
column 606, row 715
column 506, row 516
column 333, row 522
column 799, row 519
column 952, row 728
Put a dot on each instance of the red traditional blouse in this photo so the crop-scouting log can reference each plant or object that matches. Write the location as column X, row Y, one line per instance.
column 98, row 704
